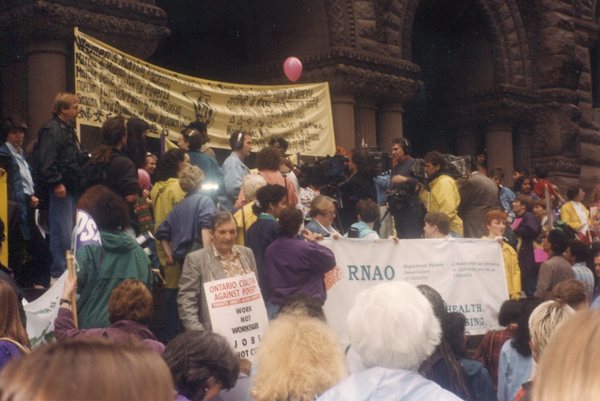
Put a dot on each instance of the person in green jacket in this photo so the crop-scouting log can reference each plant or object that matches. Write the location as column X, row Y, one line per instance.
column 105, row 255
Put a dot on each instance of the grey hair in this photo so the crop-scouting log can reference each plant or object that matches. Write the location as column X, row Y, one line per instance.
column 191, row 178
column 251, row 184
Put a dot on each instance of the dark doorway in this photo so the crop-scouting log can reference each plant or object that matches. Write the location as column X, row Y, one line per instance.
column 451, row 45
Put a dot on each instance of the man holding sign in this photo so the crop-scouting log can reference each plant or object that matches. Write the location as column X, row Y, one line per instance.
column 220, row 261
column 219, row 292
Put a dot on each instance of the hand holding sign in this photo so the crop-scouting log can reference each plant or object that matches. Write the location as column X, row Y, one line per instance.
column 292, row 67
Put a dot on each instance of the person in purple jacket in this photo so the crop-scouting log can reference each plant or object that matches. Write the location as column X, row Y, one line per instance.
column 526, row 228
column 130, row 308
column 294, row 265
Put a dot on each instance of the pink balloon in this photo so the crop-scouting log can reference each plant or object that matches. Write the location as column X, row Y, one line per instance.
column 292, row 67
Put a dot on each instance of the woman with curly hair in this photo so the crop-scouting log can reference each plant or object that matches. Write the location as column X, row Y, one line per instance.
column 130, row 309
column 267, row 164
column 202, row 363
column 299, row 359
column 103, row 266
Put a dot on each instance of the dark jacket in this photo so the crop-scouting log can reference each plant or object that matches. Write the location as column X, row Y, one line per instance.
column 15, row 186
column 121, row 174
column 359, row 187
column 527, row 231
column 57, row 157
column 259, row 236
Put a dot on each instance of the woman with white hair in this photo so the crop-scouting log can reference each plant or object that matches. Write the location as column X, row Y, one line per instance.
column 244, row 216
column 544, row 321
column 392, row 330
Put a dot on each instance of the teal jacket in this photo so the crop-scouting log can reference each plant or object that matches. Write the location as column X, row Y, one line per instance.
column 101, row 268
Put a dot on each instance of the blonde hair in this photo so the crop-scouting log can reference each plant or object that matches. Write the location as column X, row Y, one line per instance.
column 63, row 100
column 320, row 204
column 190, row 178
column 87, row 369
column 543, row 322
column 568, row 370
column 299, row 358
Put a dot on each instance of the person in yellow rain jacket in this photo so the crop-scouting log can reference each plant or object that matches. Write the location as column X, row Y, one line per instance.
column 575, row 214
column 442, row 195
column 495, row 222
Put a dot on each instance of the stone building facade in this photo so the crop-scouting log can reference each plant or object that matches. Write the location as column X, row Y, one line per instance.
column 518, row 77
column 36, row 46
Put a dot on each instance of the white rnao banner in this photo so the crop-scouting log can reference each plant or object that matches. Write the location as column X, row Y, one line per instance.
column 237, row 312
column 468, row 273
column 42, row 312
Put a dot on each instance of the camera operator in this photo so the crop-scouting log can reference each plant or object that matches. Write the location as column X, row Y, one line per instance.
column 403, row 201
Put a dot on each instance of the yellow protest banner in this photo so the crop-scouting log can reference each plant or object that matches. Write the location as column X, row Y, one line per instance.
column 4, row 214
column 110, row 82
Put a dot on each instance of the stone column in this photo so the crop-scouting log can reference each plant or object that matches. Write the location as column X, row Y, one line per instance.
column 499, row 144
column 467, row 141
column 390, row 125
column 343, row 121
column 366, row 124
column 46, row 73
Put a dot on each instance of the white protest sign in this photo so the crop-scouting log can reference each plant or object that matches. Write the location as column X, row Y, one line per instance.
column 237, row 312
column 468, row 273
column 42, row 312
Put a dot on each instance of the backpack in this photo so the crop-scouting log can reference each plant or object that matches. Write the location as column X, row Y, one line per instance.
column 93, row 173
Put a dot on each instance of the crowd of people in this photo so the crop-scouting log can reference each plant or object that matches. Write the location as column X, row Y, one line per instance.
column 181, row 219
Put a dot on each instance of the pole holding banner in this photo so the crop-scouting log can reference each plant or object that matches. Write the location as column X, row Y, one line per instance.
column 4, row 214
column 72, row 274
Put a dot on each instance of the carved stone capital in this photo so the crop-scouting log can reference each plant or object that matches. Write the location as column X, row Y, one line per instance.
column 559, row 164
column 500, row 105
column 556, row 131
column 133, row 26
column 376, row 79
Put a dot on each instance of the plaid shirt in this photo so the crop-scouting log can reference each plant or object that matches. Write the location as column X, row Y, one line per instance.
column 232, row 264
column 488, row 352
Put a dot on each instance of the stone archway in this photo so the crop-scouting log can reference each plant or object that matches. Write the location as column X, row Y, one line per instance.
column 508, row 38
column 454, row 47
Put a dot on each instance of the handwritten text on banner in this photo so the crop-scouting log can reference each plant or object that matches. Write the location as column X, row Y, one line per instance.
column 110, row 82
